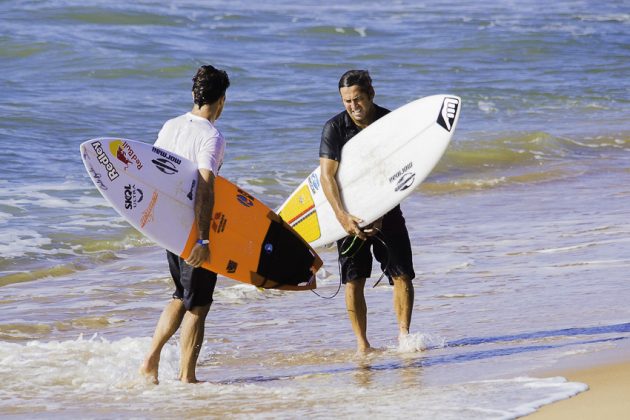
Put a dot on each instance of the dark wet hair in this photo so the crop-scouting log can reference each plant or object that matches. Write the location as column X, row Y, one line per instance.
column 209, row 84
column 359, row 78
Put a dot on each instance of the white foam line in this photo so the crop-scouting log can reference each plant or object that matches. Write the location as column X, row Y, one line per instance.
column 558, row 389
column 579, row 246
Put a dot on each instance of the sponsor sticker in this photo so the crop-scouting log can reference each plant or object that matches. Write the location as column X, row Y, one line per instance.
column 191, row 193
column 218, row 222
column 124, row 153
column 97, row 179
column 403, row 178
column 401, row 172
column 165, row 166
column 244, row 198
column 231, row 266
column 446, row 118
column 133, row 196
column 313, row 183
column 167, row 163
column 102, row 158
column 147, row 215
column 405, row 181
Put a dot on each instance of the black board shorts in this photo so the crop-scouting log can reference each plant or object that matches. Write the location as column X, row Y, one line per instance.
column 396, row 258
column 193, row 286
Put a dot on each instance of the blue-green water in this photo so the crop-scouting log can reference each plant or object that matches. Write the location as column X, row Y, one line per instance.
column 520, row 231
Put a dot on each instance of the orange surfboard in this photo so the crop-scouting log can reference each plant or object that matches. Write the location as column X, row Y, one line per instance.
column 154, row 189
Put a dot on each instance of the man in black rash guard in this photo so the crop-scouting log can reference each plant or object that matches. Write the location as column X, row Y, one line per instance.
column 357, row 96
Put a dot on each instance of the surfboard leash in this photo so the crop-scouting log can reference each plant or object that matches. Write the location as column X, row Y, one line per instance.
column 334, row 294
column 343, row 252
column 347, row 250
column 388, row 257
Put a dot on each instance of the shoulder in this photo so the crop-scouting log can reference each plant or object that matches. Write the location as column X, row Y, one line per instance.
column 200, row 128
column 380, row 111
column 171, row 126
column 335, row 128
column 167, row 132
column 338, row 120
column 175, row 121
column 210, row 140
column 212, row 137
column 334, row 136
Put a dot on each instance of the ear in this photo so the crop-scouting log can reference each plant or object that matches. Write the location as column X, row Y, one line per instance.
column 371, row 93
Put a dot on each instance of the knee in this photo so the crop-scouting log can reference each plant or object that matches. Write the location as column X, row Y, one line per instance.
column 404, row 282
column 355, row 286
column 200, row 311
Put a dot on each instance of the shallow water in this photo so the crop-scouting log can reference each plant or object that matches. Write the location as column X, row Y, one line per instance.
column 519, row 235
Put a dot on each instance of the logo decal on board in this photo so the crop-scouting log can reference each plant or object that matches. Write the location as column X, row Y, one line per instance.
column 231, row 266
column 167, row 163
column 124, row 153
column 404, row 177
column 147, row 215
column 102, row 158
column 190, row 194
column 244, row 198
column 218, row 222
column 165, row 166
column 313, row 182
column 133, row 196
column 405, row 181
column 96, row 177
column 268, row 248
column 448, row 113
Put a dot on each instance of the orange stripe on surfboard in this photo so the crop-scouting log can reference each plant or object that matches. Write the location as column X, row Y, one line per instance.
column 299, row 215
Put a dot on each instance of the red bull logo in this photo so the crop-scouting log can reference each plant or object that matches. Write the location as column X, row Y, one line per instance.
column 124, row 153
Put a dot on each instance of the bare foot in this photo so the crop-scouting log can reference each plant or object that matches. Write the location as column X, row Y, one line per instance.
column 149, row 373
column 363, row 350
column 191, row 381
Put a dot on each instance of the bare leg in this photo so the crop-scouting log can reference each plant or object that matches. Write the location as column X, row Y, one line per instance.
column 169, row 322
column 403, row 303
column 191, row 339
column 357, row 311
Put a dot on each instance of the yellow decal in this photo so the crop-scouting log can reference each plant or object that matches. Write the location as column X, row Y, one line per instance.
column 301, row 214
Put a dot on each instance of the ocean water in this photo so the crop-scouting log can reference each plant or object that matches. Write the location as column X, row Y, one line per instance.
column 520, row 234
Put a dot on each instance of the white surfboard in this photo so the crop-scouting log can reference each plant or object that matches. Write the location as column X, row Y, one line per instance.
column 379, row 167
column 154, row 190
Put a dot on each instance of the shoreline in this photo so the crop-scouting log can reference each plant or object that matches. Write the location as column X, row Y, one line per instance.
column 607, row 374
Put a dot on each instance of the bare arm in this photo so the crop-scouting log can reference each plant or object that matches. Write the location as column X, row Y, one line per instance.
column 349, row 222
column 204, row 203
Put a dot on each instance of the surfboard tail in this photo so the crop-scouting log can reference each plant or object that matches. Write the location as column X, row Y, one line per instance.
column 266, row 283
column 291, row 273
column 311, row 285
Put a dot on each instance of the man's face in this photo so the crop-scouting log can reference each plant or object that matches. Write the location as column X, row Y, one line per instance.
column 358, row 104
